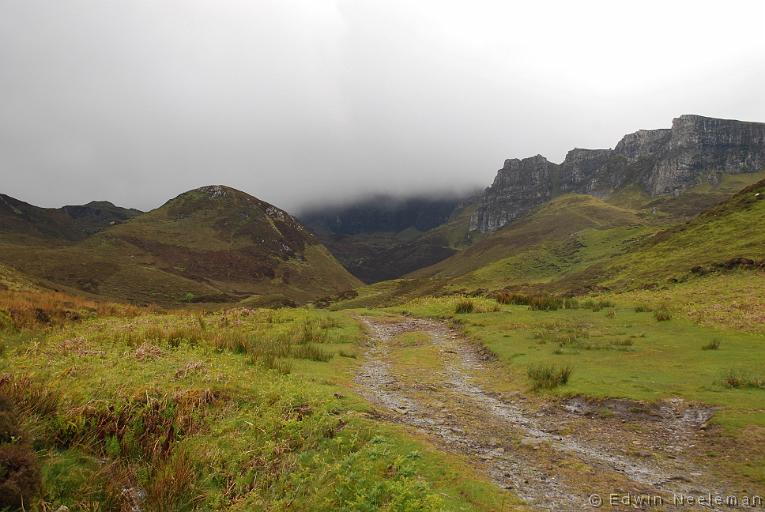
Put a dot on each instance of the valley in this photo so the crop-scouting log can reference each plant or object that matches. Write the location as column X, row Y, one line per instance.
column 589, row 328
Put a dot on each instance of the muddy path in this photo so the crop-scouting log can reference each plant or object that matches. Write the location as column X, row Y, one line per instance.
column 553, row 454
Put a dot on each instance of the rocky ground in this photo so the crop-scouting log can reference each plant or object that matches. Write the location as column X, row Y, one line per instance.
column 555, row 454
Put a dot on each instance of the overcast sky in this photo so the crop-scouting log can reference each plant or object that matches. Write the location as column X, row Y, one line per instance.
column 301, row 101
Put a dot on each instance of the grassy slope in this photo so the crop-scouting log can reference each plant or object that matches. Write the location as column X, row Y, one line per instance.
column 561, row 236
column 572, row 233
column 192, row 247
column 712, row 189
column 729, row 230
column 13, row 280
column 555, row 221
column 198, row 413
column 575, row 244
column 22, row 221
column 734, row 300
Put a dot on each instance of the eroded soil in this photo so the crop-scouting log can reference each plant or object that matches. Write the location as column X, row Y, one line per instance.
column 553, row 454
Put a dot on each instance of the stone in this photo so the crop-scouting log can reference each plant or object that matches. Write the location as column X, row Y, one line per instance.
column 531, row 442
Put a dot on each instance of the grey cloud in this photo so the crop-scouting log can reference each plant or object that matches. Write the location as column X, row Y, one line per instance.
column 304, row 101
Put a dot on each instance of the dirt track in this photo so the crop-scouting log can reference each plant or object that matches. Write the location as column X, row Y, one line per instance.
column 553, row 455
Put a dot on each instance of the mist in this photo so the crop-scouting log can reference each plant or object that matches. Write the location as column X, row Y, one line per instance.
column 304, row 102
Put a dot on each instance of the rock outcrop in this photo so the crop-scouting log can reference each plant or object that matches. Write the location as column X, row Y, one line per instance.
column 529, row 182
column 664, row 161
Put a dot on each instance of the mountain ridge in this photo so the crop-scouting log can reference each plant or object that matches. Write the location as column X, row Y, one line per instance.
column 659, row 162
column 70, row 222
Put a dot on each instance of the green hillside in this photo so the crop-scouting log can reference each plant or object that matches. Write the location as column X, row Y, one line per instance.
column 13, row 280
column 712, row 241
column 576, row 244
column 213, row 244
column 23, row 221
column 560, row 237
column 544, row 230
column 20, row 221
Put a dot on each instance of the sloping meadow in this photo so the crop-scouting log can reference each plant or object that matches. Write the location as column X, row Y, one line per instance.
column 237, row 410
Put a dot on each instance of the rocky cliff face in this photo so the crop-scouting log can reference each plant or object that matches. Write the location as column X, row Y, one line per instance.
column 664, row 161
column 700, row 144
column 529, row 182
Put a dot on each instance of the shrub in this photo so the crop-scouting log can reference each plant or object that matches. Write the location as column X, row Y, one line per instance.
column 503, row 297
column 312, row 331
column 739, row 379
column 662, row 315
column 171, row 486
column 28, row 395
column 570, row 303
column 597, row 305
column 548, row 376
column 545, row 303
column 517, row 299
column 9, row 425
column 464, row 306
column 643, row 308
column 19, row 470
column 232, row 341
column 712, row 345
column 538, row 302
column 19, row 476
column 179, row 335
column 611, row 313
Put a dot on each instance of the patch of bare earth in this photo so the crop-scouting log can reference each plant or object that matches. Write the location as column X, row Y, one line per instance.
column 552, row 453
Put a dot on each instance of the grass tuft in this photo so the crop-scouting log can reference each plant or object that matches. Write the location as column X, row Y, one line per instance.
column 662, row 315
column 597, row 305
column 548, row 376
column 464, row 306
column 310, row 352
column 738, row 379
column 712, row 345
